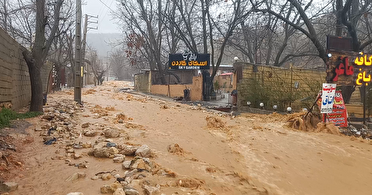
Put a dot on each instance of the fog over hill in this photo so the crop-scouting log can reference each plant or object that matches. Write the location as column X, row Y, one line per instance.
column 104, row 42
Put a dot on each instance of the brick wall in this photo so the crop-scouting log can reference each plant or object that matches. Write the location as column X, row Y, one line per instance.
column 14, row 77
column 280, row 86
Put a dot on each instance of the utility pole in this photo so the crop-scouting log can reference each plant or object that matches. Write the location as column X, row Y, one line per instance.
column 87, row 17
column 78, row 70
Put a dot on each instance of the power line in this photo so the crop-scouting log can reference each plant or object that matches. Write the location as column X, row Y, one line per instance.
column 107, row 6
column 104, row 15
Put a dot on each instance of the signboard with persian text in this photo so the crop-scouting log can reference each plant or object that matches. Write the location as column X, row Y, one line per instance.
column 189, row 61
column 328, row 96
column 363, row 64
column 340, row 69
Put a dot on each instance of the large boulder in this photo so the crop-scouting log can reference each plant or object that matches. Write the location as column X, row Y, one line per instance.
column 143, row 151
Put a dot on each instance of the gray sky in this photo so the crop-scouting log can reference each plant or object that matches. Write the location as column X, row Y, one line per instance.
column 106, row 24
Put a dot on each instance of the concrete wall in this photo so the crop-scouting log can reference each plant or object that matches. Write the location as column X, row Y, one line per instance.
column 15, row 84
column 142, row 82
column 196, row 89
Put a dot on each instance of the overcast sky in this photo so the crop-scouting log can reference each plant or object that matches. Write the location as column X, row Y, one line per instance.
column 102, row 8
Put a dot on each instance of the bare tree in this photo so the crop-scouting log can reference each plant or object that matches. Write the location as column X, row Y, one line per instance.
column 349, row 14
column 36, row 57
column 145, row 18
column 96, row 65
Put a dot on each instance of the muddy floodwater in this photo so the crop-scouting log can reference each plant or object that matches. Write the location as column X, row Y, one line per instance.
column 120, row 142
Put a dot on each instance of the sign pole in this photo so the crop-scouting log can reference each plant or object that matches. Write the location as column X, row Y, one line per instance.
column 364, row 103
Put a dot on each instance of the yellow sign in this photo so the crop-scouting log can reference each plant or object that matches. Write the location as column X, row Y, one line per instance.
column 82, row 71
column 191, row 63
column 363, row 61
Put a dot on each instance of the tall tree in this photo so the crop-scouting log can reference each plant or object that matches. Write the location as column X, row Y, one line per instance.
column 35, row 58
column 145, row 18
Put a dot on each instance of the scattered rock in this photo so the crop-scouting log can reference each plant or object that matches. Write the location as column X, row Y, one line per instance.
column 121, row 116
column 85, row 125
column 70, row 150
column 75, row 193
column 58, row 157
column 100, row 153
column 110, row 144
column 126, row 164
column 164, row 106
column 175, row 149
column 106, row 176
column 190, row 183
column 77, row 156
column 119, row 191
column 8, row 186
column 130, row 173
column 141, row 164
column 112, row 151
column 111, row 133
column 119, row 159
column 115, row 186
column 127, row 150
column 38, row 128
column 90, row 133
column 106, row 189
column 50, row 141
column 82, row 165
column 150, row 190
column 48, row 117
column 131, row 191
column 143, row 151
column 87, row 145
column 94, row 178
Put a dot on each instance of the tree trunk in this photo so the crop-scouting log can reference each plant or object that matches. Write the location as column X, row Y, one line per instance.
column 37, row 88
column 338, row 17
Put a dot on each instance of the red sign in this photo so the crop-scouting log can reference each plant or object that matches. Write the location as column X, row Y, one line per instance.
column 339, row 113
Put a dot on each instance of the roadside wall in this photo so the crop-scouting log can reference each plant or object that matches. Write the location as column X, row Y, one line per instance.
column 142, row 82
column 15, row 84
column 275, row 85
column 196, row 89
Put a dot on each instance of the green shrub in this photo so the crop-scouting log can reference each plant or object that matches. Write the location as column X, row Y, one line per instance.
column 6, row 115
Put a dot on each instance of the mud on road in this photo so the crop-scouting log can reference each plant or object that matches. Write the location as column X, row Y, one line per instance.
column 135, row 144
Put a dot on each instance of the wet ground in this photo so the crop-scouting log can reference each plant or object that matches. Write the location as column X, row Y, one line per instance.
column 194, row 150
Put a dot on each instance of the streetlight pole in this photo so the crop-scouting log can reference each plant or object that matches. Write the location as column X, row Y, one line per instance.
column 78, row 74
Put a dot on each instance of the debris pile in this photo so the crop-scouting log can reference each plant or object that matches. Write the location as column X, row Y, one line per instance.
column 59, row 127
column 365, row 133
column 303, row 121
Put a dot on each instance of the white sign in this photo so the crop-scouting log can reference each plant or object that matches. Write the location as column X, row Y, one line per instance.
column 328, row 97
